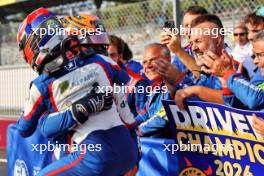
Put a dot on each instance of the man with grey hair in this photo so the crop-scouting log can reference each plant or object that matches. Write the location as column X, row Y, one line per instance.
column 153, row 121
column 159, row 64
column 238, row 91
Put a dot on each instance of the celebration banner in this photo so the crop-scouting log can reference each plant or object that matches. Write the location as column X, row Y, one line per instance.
column 212, row 140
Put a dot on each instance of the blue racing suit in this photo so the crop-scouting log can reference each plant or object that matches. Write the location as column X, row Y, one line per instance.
column 137, row 94
column 257, row 79
column 206, row 80
column 153, row 120
column 244, row 94
column 134, row 66
column 50, row 99
column 137, row 68
column 178, row 63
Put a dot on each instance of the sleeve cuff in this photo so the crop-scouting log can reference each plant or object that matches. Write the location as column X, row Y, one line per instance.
column 138, row 121
column 226, row 91
column 73, row 117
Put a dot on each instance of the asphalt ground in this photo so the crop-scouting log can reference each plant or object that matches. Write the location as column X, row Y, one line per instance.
column 3, row 165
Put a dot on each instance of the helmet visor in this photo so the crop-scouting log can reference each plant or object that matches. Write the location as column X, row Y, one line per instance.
column 40, row 36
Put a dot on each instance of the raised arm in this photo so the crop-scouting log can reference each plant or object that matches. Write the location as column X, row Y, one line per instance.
column 173, row 42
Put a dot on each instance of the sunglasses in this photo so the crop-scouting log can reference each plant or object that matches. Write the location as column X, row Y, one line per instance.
column 258, row 55
column 239, row 34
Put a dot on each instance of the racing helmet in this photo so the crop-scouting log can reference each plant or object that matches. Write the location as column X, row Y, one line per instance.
column 89, row 30
column 39, row 38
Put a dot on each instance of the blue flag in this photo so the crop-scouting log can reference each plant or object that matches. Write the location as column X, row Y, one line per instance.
column 156, row 160
column 23, row 155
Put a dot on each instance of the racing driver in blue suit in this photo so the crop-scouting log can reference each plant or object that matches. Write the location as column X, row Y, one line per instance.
column 67, row 88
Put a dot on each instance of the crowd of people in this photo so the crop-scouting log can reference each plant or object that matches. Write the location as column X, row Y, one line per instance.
column 69, row 101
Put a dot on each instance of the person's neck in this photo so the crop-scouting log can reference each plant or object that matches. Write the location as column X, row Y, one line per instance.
column 242, row 45
column 220, row 48
column 123, row 61
column 219, row 51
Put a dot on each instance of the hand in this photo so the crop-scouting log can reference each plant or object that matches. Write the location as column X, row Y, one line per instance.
column 182, row 94
column 172, row 41
column 258, row 124
column 91, row 103
column 217, row 65
column 100, row 101
column 167, row 71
